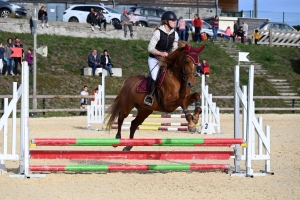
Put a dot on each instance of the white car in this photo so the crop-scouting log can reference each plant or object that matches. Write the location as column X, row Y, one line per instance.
column 79, row 13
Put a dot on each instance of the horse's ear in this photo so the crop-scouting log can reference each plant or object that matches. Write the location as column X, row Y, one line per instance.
column 187, row 48
column 198, row 50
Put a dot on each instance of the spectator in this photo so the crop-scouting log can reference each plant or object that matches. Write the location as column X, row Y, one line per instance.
column 256, row 36
column 126, row 23
column 235, row 30
column 245, row 28
column 84, row 101
column 2, row 51
column 95, row 92
column 198, row 23
column 94, row 61
column 42, row 15
column 18, row 60
column 132, row 19
column 29, row 58
column 228, row 33
column 203, row 68
column 240, row 34
column 7, row 58
column 106, row 62
column 215, row 28
column 181, row 26
column 91, row 19
column 101, row 19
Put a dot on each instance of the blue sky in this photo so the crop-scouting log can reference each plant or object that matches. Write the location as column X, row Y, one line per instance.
column 271, row 5
column 274, row 9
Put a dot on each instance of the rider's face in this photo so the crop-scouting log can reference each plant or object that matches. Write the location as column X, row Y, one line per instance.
column 172, row 23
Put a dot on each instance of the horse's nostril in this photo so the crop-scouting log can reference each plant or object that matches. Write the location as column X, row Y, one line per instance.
column 189, row 84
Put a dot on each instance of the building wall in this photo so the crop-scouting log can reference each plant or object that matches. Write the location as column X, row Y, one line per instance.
column 229, row 5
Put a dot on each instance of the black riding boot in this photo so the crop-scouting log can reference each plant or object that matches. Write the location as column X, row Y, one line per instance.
column 149, row 98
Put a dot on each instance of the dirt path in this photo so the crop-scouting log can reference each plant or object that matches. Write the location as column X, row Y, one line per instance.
column 285, row 184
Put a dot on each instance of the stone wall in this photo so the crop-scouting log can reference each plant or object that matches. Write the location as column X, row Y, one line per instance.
column 187, row 12
column 73, row 29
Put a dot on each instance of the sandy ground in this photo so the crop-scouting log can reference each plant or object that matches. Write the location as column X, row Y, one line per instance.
column 285, row 184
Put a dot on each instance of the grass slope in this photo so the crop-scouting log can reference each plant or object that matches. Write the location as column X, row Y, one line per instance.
column 61, row 72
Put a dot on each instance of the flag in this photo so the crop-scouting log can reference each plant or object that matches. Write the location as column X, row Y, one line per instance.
column 243, row 56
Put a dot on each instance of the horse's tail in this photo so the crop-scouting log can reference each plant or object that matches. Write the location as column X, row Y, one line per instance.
column 113, row 112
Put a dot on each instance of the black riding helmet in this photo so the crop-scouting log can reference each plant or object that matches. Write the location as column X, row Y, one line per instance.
column 169, row 15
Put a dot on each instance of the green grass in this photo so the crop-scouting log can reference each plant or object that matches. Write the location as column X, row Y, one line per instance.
column 61, row 72
column 281, row 62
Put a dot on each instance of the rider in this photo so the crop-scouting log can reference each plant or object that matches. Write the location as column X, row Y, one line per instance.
column 163, row 41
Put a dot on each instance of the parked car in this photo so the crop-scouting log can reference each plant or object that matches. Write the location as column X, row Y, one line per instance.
column 207, row 28
column 79, row 13
column 8, row 9
column 147, row 16
column 276, row 26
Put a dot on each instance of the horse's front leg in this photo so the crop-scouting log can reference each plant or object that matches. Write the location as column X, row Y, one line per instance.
column 141, row 116
column 198, row 110
column 192, row 119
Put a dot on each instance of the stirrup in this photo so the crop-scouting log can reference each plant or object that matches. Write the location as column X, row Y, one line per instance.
column 148, row 103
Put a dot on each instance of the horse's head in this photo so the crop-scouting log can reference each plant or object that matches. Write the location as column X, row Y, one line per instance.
column 191, row 62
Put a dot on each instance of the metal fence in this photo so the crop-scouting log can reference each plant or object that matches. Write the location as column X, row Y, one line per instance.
column 285, row 17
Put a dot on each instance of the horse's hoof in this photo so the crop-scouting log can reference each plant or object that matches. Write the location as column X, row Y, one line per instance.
column 195, row 121
column 192, row 129
column 118, row 136
column 127, row 148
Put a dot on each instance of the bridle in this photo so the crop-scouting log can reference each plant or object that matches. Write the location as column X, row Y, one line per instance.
column 184, row 73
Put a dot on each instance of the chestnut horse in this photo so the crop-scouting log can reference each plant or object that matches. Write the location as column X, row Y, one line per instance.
column 175, row 91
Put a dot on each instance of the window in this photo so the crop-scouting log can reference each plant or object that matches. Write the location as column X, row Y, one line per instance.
column 83, row 8
column 111, row 10
column 152, row 12
column 160, row 12
column 262, row 25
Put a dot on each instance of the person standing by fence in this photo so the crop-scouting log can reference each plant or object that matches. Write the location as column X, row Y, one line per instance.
column 182, row 30
column 198, row 23
column 245, row 28
column 2, row 51
column 7, row 58
column 256, row 36
column 215, row 27
column 235, row 30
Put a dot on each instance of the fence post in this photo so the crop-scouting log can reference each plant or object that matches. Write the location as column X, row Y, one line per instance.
column 270, row 38
column 44, row 105
column 293, row 105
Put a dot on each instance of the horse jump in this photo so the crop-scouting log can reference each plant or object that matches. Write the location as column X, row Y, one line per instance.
column 249, row 153
column 210, row 116
column 132, row 155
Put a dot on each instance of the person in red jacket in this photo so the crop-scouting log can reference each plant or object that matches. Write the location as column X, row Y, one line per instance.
column 198, row 23
column 203, row 68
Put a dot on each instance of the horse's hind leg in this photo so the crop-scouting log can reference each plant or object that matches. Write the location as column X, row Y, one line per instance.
column 142, row 114
column 120, row 123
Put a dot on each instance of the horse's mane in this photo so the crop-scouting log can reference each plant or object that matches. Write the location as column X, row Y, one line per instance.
column 176, row 56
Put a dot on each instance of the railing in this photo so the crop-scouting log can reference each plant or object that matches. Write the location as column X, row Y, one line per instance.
column 277, row 37
column 292, row 98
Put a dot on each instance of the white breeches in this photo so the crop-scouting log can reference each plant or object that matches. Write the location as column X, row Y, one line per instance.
column 154, row 66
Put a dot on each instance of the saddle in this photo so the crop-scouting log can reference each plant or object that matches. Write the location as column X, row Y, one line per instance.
column 143, row 85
